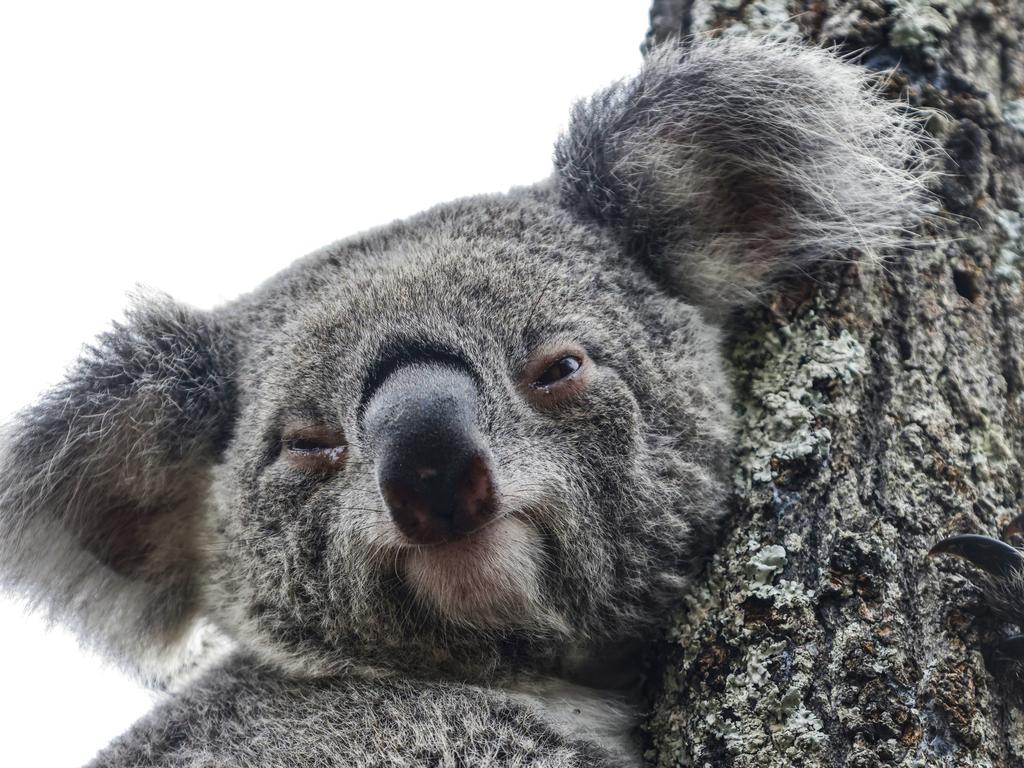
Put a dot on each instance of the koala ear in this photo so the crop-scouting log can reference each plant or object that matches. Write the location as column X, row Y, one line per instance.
column 728, row 162
column 103, row 482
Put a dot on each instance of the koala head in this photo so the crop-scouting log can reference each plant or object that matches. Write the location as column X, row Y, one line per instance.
column 497, row 431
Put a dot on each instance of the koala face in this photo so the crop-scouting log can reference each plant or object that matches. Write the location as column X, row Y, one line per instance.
column 490, row 426
column 495, row 432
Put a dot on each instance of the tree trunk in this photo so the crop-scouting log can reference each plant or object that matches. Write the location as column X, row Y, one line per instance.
column 881, row 410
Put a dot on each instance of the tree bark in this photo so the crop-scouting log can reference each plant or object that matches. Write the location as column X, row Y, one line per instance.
column 881, row 410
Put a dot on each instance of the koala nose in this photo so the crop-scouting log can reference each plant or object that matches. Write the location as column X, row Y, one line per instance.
column 433, row 466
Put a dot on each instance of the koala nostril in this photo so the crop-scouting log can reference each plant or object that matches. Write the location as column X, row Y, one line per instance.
column 430, row 504
column 477, row 490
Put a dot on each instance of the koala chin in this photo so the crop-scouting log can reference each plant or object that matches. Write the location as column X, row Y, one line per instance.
column 489, row 579
column 420, row 498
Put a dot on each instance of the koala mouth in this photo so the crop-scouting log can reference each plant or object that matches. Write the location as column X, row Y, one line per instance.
column 490, row 578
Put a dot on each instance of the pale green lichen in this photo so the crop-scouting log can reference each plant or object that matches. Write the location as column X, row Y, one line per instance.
column 758, row 714
column 923, row 22
column 1013, row 114
column 785, row 593
column 781, row 418
column 1012, row 224
column 756, row 701
column 763, row 566
column 801, row 733
column 990, row 450
column 764, row 714
column 1015, row 733
column 772, row 18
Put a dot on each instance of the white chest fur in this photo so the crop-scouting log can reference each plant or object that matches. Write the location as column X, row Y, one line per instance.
column 579, row 712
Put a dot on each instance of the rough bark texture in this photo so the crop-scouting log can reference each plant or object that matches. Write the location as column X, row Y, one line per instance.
column 880, row 412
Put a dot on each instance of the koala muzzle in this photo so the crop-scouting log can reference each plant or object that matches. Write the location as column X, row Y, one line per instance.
column 433, row 465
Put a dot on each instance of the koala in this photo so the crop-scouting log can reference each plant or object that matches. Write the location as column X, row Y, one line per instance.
column 424, row 497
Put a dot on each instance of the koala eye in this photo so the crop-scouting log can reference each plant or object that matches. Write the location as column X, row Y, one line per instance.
column 555, row 374
column 314, row 448
column 561, row 369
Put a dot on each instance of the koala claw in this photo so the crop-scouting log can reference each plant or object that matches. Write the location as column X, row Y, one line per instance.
column 1003, row 584
column 991, row 555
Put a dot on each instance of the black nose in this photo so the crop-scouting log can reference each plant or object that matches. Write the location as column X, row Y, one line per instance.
column 432, row 463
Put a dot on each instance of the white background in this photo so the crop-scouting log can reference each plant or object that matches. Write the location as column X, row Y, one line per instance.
column 200, row 147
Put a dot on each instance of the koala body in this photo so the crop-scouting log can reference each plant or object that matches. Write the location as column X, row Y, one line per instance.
column 420, row 498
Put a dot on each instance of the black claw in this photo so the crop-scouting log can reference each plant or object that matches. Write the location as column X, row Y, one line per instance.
column 989, row 554
column 1015, row 528
column 1012, row 647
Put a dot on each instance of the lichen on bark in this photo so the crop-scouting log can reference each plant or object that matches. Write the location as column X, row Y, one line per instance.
column 879, row 411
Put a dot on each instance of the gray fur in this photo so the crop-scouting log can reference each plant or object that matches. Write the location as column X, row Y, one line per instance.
column 733, row 161
column 253, row 717
column 145, row 499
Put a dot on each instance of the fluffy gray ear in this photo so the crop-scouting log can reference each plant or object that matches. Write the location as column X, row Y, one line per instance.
column 103, row 481
column 729, row 161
